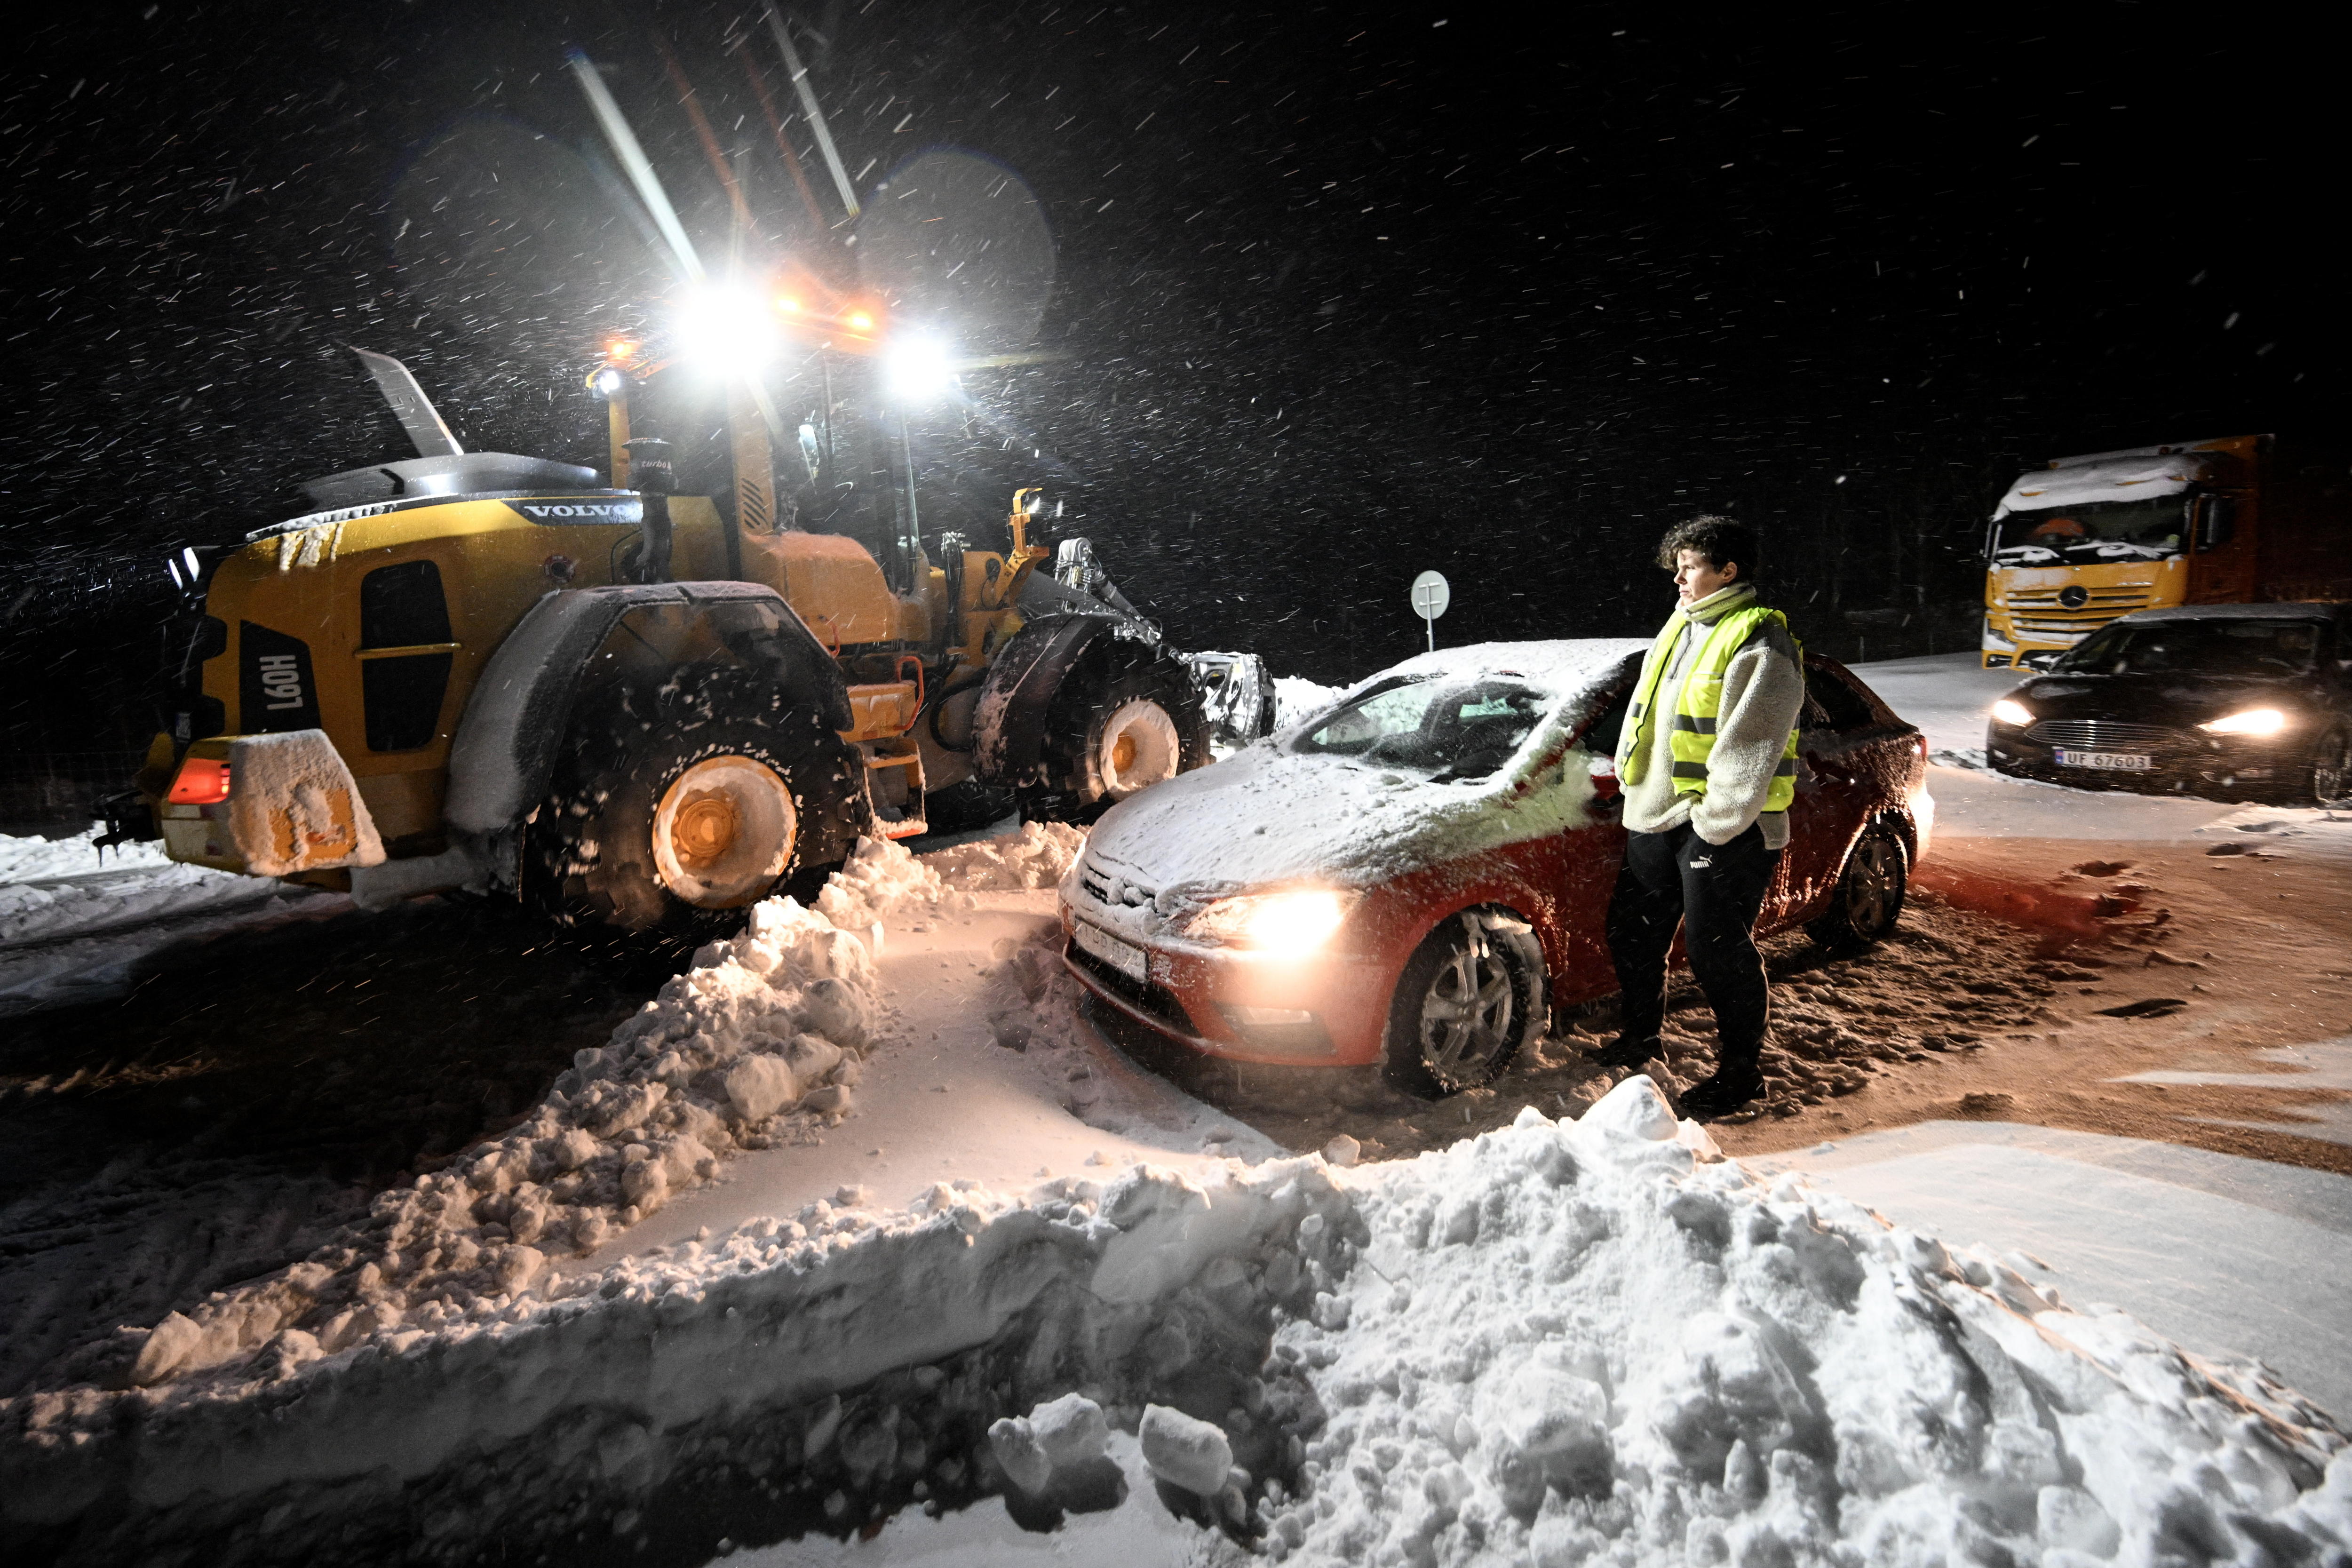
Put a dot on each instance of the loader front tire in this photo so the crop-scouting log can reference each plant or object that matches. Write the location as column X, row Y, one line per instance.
column 1117, row 731
column 676, row 804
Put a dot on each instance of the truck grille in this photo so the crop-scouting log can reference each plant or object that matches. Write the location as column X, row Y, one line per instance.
column 2037, row 612
column 2105, row 735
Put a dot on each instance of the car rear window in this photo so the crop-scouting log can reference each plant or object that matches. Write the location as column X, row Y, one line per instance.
column 1834, row 703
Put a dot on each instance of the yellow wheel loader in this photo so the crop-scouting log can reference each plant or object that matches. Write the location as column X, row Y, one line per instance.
column 479, row 670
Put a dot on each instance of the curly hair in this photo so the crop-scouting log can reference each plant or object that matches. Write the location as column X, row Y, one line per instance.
column 1718, row 539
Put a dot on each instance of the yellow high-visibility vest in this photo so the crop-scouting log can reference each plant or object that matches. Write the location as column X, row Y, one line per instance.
column 1700, row 704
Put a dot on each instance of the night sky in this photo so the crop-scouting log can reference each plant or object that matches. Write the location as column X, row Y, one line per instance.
column 1331, row 294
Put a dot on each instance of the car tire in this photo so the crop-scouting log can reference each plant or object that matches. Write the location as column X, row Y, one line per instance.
column 2329, row 781
column 675, row 805
column 1116, row 735
column 1471, row 996
column 1867, row 901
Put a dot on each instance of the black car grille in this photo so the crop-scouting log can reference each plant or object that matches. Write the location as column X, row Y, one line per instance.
column 1154, row 1000
column 2106, row 735
column 1107, row 889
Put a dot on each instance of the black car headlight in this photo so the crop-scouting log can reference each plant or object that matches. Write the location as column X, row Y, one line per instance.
column 2250, row 722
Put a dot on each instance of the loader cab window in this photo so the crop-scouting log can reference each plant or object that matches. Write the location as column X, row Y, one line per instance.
column 405, row 659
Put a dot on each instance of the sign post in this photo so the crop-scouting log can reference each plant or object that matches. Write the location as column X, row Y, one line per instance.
column 1430, row 597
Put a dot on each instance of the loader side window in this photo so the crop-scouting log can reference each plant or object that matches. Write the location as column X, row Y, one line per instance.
column 402, row 607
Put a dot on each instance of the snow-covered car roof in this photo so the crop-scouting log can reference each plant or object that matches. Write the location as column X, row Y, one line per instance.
column 1267, row 814
column 2106, row 479
column 1560, row 664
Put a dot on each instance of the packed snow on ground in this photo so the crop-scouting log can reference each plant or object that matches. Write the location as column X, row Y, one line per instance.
column 1555, row 1343
column 2323, row 1065
column 73, row 921
column 2118, row 1219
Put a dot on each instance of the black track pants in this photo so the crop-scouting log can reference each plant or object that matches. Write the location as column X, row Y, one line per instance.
column 1714, row 892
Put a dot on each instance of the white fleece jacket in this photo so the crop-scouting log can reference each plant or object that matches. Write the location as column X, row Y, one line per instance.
column 1763, row 695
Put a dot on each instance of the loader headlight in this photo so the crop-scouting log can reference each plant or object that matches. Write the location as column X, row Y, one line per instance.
column 1284, row 924
column 607, row 383
column 726, row 329
column 919, row 369
column 2014, row 714
column 2252, row 721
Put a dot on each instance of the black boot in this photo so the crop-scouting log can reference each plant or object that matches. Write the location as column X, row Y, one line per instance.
column 1733, row 1088
column 1624, row 1051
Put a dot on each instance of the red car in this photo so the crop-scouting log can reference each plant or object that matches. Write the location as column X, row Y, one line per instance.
column 1418, row 874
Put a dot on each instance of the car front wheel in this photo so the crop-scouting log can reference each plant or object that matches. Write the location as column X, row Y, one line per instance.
column 1470, row 996
column 1868, row 899
column 2331, row 769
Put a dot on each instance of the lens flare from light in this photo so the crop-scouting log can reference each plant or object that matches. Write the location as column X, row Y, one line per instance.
column 919, row 369
column 787, row 303
column 2013, row 713
column 2252, row 721
column 860, row 321
column 725, row 329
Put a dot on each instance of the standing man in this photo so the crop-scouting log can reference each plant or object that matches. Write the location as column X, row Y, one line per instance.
column 1708, row 758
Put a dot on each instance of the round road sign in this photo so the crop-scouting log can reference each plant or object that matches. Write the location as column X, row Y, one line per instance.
column 1430, row 596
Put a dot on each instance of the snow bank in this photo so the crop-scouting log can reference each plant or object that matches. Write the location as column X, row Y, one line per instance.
column 881, row 880
column 23, row 860
column 1554, row 1344
column 760, row 1042
column 1579, row 1341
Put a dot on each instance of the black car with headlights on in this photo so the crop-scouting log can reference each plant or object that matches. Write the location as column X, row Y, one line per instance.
column 2239, row 701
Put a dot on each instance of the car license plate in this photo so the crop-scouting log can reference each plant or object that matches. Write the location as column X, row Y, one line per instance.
column 2109, row 762
column 1121, row 955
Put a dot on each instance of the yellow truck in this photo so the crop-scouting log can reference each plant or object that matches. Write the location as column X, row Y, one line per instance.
column 476, row 669
column 2240, row 520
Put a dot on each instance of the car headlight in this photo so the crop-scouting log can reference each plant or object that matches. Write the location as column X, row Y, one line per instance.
column 2015, row 714
column 1286, row 923
column 2252, row 721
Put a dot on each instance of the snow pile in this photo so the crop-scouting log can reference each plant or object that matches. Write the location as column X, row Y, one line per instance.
column 1295, row 698
column 882, row 879
column 760, row 1041
column 1593, row 1340
column 1555, row 1343
column 25, row 859
column 858, row 1358
column 763, row 1041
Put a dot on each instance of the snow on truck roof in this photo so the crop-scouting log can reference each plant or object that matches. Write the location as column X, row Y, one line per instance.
column 2133, row 477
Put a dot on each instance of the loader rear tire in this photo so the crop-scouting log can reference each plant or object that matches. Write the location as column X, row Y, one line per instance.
column 1117, row 731
column 676, row 804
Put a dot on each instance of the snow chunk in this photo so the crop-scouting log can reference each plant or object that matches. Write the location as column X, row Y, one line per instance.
column 1183, row 1452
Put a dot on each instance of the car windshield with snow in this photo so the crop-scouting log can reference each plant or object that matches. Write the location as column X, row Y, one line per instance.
column 1442, row 727
column 2237, row 701
column 1416, row 874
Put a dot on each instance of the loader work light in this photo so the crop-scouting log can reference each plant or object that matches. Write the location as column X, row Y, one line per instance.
column 919, row 369
column 607, row 383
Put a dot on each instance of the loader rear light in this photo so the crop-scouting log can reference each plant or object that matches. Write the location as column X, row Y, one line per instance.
column 202, row 781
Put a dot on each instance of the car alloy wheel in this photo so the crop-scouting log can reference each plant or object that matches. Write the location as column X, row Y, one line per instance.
column 1868, row 899
column 1470, row 996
